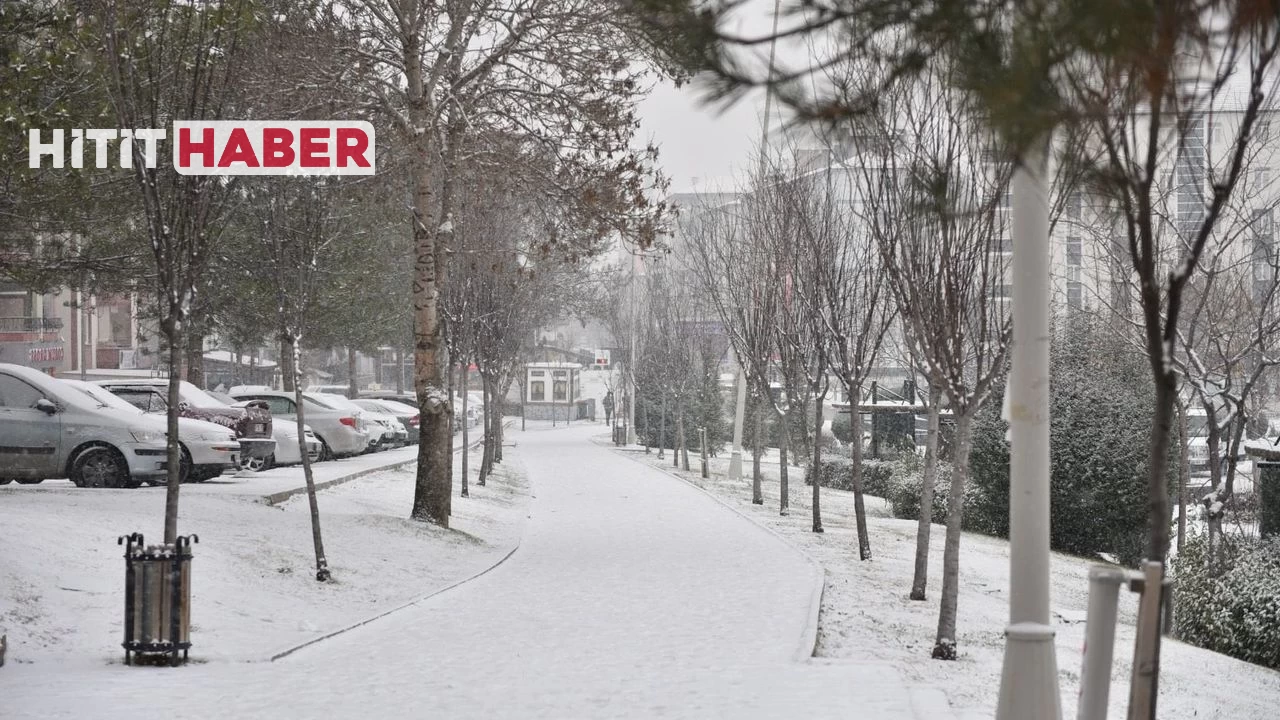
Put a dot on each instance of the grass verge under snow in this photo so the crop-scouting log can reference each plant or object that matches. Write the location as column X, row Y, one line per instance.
column 254, row 591
column 867, row 615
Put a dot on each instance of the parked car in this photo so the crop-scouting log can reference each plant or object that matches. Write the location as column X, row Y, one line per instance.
column 407, row 398
column 52, row 430
column 288, row 449
column 342, row 390
column 406, row 414
column 252, row 425
column 208, row 449
column 339, row 432
column 384, row 430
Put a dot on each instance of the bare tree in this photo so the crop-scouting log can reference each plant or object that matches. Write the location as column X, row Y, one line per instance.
column 559, row 73
column 938, row 224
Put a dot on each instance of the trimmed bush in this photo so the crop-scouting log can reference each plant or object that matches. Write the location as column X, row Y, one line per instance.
column 908, row 481
column 837, row 473
column 1102, row 398
column 1236, row 611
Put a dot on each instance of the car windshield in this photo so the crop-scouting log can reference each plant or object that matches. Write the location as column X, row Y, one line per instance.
column 102, row 398
column 399, row 408
column 193, row 395
column 223, row 398
column 337, row 402
column 323, row 401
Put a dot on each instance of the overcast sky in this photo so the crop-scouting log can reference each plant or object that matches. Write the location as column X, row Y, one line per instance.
column 699, row 141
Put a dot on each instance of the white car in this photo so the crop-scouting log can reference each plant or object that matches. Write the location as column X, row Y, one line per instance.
column 393, row 432
column 339, row 431
column 53, row 430
column 208, row 449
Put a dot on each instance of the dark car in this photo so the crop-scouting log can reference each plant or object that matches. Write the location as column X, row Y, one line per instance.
column 252, row 424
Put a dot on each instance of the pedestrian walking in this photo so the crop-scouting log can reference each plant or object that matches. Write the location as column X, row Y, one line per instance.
column 608, row 407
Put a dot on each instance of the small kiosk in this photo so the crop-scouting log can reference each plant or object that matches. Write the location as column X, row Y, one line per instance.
column 553, row 391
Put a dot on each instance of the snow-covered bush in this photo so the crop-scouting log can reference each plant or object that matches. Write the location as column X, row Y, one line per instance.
column 837, row 473
column 1235, row 611
column 906, row 484
column 1102, row 400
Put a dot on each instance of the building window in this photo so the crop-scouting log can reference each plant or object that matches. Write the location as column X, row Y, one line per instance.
column 1261, row 178
column 1075, row 250
column 538, row 390
column 1262, row 130
column 1075, row 294
column 561, row 390
column 1073, row 206
column 1189, row 175
column 537, row 373
column 1263, row 253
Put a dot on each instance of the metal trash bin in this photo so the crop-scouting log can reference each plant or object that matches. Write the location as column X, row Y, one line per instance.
column 157, row 599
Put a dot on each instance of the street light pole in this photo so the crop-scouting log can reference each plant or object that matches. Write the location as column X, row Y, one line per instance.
column 1029, row 679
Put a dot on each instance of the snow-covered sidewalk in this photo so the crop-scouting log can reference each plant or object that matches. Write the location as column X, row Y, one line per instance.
column 632, row 595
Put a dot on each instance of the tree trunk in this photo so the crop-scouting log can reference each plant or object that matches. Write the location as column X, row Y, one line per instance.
column 815, row 470
column 784, row 442
column 195, row 359
column 173, row 455
column 287, row 372
column 322, row 563
column 353, row 380
column 433, row 487
column 399, row 370
column 757, row 447
column 466, row 445
column 855, row 457
column 945, row 643
column 679, row 439
column 662, row 429
column 499, row 412
column 486, row 461
column 924, row 527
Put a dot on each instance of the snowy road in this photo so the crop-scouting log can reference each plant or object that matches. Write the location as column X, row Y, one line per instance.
column 632, row 595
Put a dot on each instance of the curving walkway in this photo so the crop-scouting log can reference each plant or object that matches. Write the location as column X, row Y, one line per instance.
column 633, row 595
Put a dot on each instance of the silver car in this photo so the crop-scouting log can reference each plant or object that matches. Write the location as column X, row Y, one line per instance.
column 340, row 432
column 48, row 429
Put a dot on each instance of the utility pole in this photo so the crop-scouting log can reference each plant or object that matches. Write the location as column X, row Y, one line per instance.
column 1029, row 679
column 739, row 410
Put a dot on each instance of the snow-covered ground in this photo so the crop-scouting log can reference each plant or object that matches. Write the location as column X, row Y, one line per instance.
column 254, row 591
column 631, row 595
column 867, row 614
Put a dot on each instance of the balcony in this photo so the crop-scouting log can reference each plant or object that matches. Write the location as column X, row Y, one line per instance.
column 30, row 324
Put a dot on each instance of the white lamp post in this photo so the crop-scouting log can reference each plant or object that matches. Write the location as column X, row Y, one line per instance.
column 1029, row 681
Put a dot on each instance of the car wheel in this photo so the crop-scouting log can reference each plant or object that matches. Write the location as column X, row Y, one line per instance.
column 184, row 468
column 259, row 464
column 325, row 452
column 29, row 481
column 99, row 467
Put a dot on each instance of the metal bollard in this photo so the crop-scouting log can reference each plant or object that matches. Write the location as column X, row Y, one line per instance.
column 1100, row 640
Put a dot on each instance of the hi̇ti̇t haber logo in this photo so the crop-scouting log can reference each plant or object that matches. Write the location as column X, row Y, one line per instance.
column 218, row 147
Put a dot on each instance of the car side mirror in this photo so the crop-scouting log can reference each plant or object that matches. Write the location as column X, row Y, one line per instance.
column 47, row 406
